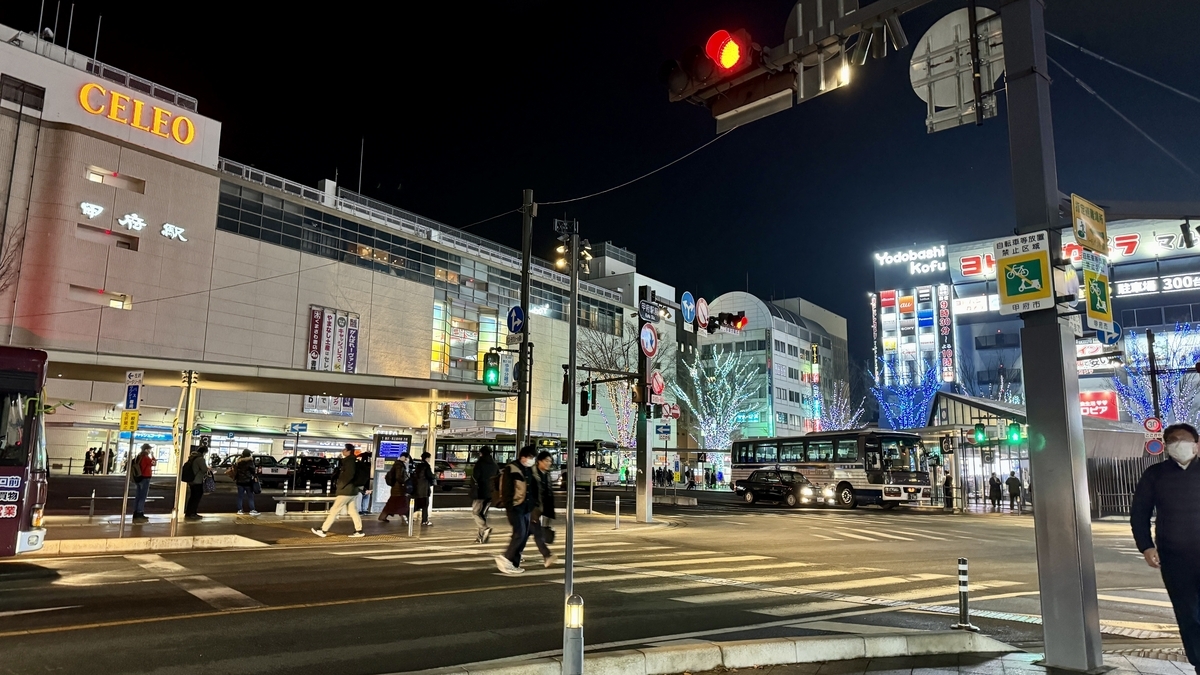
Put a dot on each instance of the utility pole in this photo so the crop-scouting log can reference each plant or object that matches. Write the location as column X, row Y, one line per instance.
column 1062, row 521
column 1153, row 373
column 525, row 370
column 645, row 456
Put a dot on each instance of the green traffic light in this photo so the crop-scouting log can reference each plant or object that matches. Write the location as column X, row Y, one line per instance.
column 491, row 369
column 980, row 434
column 1014, row 433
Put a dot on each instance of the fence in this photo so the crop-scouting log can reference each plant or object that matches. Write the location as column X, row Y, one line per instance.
column 1111, row 483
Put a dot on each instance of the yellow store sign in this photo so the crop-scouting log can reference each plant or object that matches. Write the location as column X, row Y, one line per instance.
column 139, row 114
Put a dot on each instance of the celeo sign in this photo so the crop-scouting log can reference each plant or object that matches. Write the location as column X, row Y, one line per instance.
column 922, row 261
column 139, row 114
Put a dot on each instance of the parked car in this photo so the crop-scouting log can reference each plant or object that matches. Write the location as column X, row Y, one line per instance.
column 301, row 470
column 270, row 472
column 788, row 487
column 448, row 475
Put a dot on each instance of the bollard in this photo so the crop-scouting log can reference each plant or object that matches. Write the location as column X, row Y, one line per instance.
column 307, row 490
column 326, row 488
column 591, row 496
column 617, row 511
column 412, row 505
column 92, row 504
column 964, row 613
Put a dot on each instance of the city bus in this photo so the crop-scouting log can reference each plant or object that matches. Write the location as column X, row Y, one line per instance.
column 598, row 461
column 461, row 453
column 23, row 465
column 859, row 467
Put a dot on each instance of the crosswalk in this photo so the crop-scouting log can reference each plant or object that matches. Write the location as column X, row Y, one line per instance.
column 860, row 527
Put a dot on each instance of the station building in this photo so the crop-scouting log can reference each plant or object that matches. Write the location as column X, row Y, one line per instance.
column 128, row 243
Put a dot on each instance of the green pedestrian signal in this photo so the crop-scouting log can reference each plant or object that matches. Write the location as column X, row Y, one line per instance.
column 980, row 434
column 1014, row 433
column 491, row 369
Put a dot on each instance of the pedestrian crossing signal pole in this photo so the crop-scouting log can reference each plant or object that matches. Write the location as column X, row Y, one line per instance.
column 572, row 663
column 644, row 506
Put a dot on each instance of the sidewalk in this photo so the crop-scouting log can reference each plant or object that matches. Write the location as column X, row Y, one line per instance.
column 1020, row 663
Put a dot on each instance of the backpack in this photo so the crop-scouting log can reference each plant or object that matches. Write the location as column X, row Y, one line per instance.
column 498, row 498
column 362, row 474
column 189, row 472
column 136, row 467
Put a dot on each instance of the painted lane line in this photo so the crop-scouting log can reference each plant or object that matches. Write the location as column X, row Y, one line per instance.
column 19, row 612
column 854, row 536
column 660, row 588
column 880, row 534
column 1135, row 601
column 214, row 593
column 699, row 561
column 821, row 536
column 726, row 597
column 748, row 568
column 949, row 592
column 805, row 608
column 877, row 581
column 918, row 534
column 810, row 574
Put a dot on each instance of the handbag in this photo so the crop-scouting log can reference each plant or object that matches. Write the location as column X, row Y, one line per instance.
column 548, row 533
column 257, row 488
column 210, row 484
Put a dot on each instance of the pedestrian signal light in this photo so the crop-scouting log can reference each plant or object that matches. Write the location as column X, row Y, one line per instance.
column 980, row 434
column 1014, row 433
column 491, row 369
column 725, row 50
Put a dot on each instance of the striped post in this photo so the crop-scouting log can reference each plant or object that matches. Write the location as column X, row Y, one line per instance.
column 964, row 612
column 412, row 513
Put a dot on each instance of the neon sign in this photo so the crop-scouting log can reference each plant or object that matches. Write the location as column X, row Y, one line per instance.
column 118, row 107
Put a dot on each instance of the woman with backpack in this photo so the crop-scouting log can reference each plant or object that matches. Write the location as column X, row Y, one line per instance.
column 423, row 482
column 397, row 478
column 245, row 474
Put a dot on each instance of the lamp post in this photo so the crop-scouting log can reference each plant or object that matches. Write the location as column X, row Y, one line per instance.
column 572, row 254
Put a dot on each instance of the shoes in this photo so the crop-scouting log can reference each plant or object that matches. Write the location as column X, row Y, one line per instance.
column 485, row 535
column 358, row 534
column 550, row 560
column 240, row 513
column 383, row 517
column 503, row 564
column 138, row 518
column 404, row 520
column 427, row 524
column 319, row 533
column 254, row 513
column 193, row 517
column 516, row 570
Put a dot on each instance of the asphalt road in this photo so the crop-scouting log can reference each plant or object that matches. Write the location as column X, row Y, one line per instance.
column 388, row 604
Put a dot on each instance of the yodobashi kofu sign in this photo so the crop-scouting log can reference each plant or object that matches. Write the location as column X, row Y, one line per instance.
column 906, row 267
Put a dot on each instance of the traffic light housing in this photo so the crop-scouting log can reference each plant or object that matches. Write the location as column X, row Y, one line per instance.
column 583, row 402
column 980, row 434
column 1014, row 432
column 724, row 56
column 733, row 321
column 445, row 415
column 638, row 392
column 491, row 369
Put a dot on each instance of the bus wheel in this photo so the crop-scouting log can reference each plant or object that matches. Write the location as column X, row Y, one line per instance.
column 888, row 506
column 845, row 498
column 750, row 498
column 791, row 500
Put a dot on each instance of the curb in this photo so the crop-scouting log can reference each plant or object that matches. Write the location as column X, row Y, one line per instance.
column 140, row 544
column 746, row 654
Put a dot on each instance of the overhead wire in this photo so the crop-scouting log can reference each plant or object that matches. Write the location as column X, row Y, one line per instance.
column 498, row 215
column 1127, row 69
column 1128, row 121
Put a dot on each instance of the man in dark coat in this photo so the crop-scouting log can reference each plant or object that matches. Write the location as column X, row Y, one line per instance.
column 484, row 471
column 1014, row 489
column 519, row 495
column 423, row 481
column 347, row 493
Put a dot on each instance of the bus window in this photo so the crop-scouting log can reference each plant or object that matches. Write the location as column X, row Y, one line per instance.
column 820, row 451
column 13, row 450
column 765, row 453
column 791, row 452
column 903, row 454
column 847, row 450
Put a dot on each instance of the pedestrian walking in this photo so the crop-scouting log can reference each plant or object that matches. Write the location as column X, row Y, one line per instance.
column 99, row 462
column 347, row 493
column 482, row 473
column 518, row 495
column 994, row 490
column 1014, row 489
column 397, row 479
column 948, row 491
column 245, row 474
column 543, row 535
column 362, row 478
column 1171, row 491
column 423, row 482
column 143, row 468
column 194, row 473
column 89, row 462
column 720, row 477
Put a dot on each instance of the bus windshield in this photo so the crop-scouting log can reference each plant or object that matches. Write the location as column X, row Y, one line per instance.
column 14, row 429
column 903, row 454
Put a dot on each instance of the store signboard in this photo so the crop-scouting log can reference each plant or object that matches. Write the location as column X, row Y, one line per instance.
column 945, row 333
column 1171, row 283
column 907, row 267
column 332, row 347
column 1102, row 404
column 907, row 304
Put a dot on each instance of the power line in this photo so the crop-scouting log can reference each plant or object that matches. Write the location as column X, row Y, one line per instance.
column 650, row 173
column 1128, row 121
column 184, row 295
column 498, row 215
column 1127, row 69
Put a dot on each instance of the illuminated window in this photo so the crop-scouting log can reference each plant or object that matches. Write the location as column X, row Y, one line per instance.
column 100, row 297
column 111, row 178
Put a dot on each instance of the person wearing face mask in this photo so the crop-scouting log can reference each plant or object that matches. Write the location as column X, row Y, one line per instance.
column 519, row 496
column 1171, row 490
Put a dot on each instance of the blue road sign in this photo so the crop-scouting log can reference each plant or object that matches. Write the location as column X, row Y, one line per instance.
column 298, row 427
column 131, row 396
column 1110, row 338
column 1154, row 446
column 516, row 319
column 662, row 429
column 687, row 307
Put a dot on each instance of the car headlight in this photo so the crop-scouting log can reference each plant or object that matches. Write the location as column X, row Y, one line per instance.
column 828, row 492
column 806, row 491
column 891, row 492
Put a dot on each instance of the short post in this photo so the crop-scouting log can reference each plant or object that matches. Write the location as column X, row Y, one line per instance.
column 307, row 491
column 591, row 496
column 617, row 512
column 412, row 505
column 572, row 663
column 964, row 612
column 327, row 488
column 92, row 504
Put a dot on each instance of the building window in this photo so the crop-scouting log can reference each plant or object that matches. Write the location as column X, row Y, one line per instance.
column 110, row 178
column 100, row 297
column 793, row 350
column 781, row 393
column 781, row 418
column 793, row 373
column 793, row 396
column 796, row 420
column 780, row 347
column 22, row 93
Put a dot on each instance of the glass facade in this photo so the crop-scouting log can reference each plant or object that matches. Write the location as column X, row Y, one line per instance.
column 275, row 220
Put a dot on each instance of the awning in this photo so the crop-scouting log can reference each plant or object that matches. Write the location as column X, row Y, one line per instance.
column 167, row 372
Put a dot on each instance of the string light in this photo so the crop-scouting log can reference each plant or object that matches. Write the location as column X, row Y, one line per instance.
column 718, row 395
column 838, row 413
column 904, row 397
column 1175, row 354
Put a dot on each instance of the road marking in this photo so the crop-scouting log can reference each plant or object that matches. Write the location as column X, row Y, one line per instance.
column 854, row 536
column 810, row 574
column 747, row 568
column 880, row 534
column 918, row 534
column 875, row 581
column 594, row 580
column 214, row 593
column 659, row 588
column 821, row 536
column 806, row 608
column 19, row 612
column 698, row 561
column 1135, row 601
column 728, row 596
column 860, row 628
column 442, row 561
column 948, row 592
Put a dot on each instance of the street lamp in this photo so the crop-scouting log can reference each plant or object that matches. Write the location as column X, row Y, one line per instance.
column 576, row 254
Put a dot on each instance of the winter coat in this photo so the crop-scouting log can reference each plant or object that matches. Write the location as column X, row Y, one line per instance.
column 545, row 505
column 994, row 487
column 244, row 471
column 398, row 476
column 423, row 480
column 481, row 477
column 345, row 479
column 199, row 467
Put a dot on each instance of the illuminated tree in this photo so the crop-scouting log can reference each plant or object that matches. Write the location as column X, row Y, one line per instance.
column 717, row 392
column 837, row 411
column 1178, row 385
column 904, row 395
column 619, row 353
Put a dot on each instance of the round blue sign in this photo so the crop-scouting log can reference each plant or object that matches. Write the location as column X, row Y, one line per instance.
column 1110, row 338
column 649, row 340
column 516, row 319
column 687, row 307
column 1154, row 446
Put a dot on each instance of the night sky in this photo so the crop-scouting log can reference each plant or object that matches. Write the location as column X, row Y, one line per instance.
column 463, row 105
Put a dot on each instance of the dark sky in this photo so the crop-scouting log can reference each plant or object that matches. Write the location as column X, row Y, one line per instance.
column 465, row 104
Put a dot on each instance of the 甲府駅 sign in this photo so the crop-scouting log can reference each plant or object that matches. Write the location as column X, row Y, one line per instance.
column 142, row 115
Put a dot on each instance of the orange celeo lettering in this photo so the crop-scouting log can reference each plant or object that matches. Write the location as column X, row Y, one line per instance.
column 85, row 101
column 116, row 105
column 182, row 130
column 160, row 120
column 136, row 122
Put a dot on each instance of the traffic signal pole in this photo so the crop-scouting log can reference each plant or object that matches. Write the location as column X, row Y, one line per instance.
column 645, row 457
column 572, row 636
column 1062, row 522
column 524, row 383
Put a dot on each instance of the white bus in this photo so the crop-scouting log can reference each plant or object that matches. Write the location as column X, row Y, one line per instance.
column 861, row 466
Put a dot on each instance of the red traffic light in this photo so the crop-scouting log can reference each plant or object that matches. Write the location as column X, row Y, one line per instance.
column 726, row 51
column 740, row 321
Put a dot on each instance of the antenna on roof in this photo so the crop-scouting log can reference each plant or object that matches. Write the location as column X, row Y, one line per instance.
column 54, row 33
column 37, row 34
column 96, row 50
column 70, row 23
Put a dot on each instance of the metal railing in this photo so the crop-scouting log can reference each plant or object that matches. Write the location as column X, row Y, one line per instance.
column 1111, row 483
column 366, row 208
